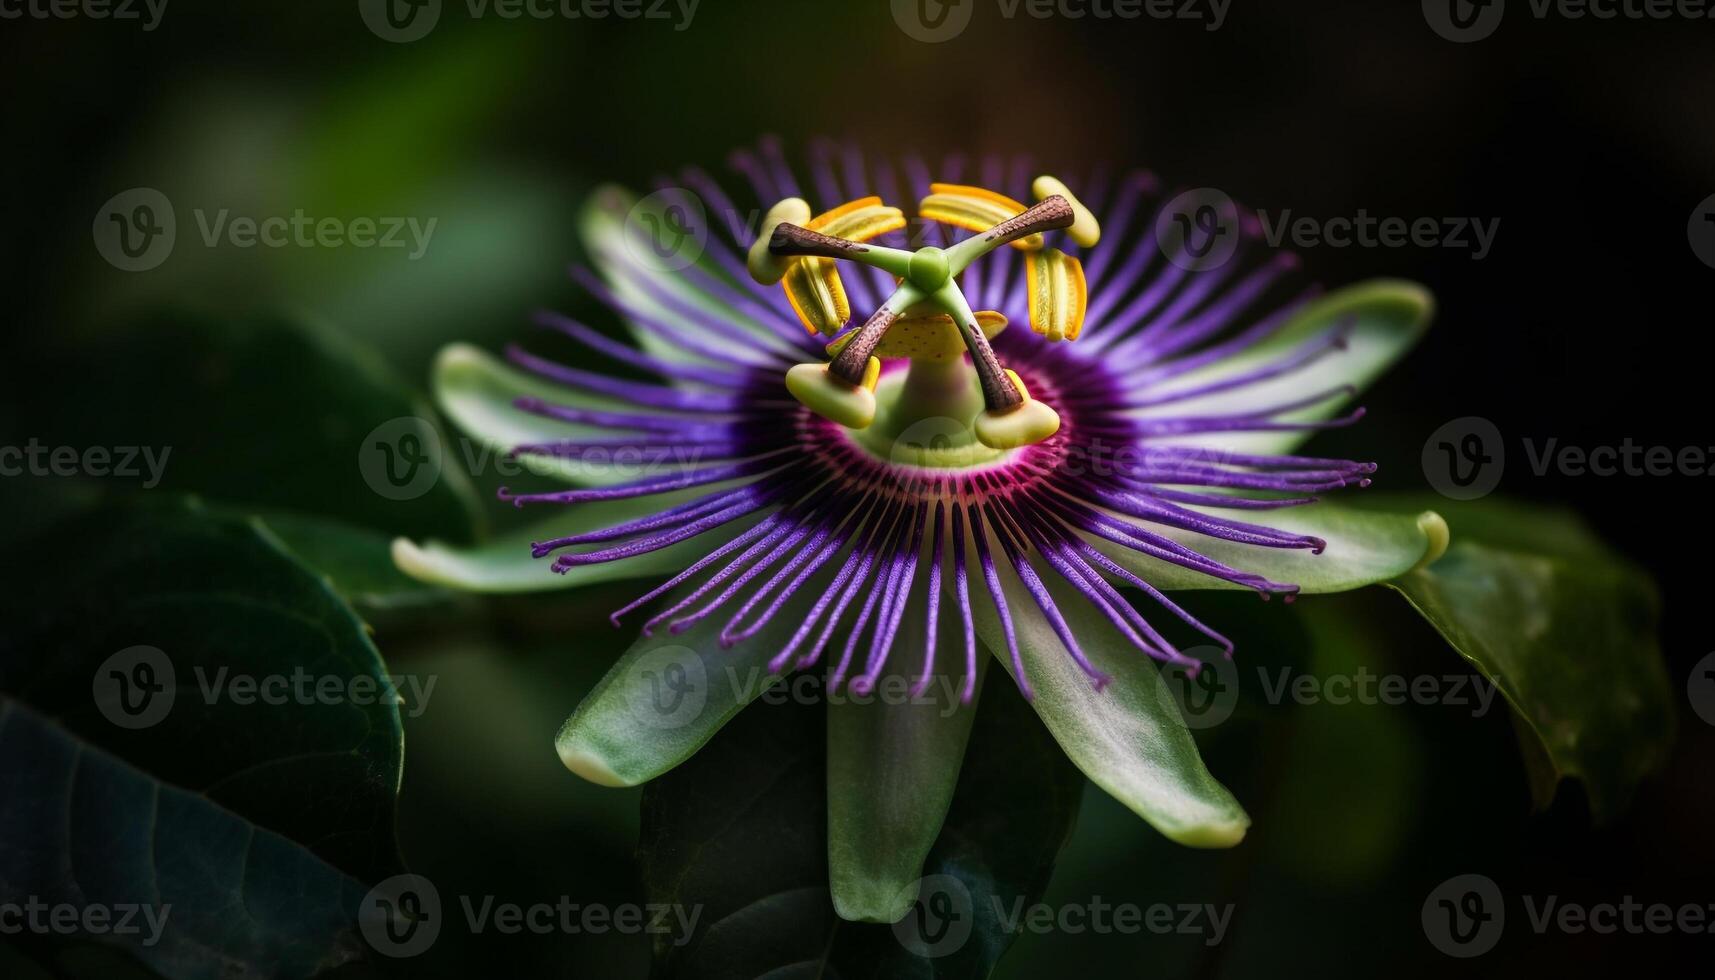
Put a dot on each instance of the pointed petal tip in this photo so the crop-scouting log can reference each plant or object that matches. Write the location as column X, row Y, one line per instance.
column 1211, row 835
column 587, row 764
column 413, row 560
column 881, row 905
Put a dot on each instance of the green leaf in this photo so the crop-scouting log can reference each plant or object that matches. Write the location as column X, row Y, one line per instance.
column 670, row 693
column 209, row 602
column 893, row 761
column 1386, row 318
column 1568, row 633
column 1128, row 738
column 84, row 829
column 505, row 563
column 738, row 833
column 357, row 562
column 1365, row 546
column 267, row 413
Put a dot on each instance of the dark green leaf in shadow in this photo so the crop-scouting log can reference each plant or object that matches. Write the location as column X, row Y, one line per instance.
column 267, row 413
column 357, row 562
column 1567, row 630
column 197, row 649
column 186, row 886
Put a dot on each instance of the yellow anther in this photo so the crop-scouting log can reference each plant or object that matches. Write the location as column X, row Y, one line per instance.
column 813, row 285
column 1085, row 231
column 932, row 336
column 764, row 267
column 974, row 209
column 871, row 372
column 1055, row 293
column 859, row 220
column 814, row 289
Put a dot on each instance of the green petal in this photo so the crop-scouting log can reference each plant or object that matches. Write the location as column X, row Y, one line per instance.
column 669, row 694
column 1386, row 318
column 1129, row 738
column 603, row 225
column 893, row 762
column 505, row 563
column 1364, row 547
column 1567, row 630
column 477, row 390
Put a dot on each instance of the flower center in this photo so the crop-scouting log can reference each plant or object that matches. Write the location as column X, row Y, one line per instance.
column 925, row 416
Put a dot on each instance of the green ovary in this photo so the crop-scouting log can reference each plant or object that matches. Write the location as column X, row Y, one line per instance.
column 924, row 417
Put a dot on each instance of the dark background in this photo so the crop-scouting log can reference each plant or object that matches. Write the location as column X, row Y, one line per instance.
column 1591, row 141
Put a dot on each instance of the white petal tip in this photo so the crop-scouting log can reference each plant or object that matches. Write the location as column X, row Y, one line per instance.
column 589, row 766
column 1211, row 835
column 414, row 561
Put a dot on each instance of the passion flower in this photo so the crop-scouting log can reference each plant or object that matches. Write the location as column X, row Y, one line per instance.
column 892, row 497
